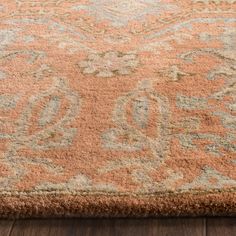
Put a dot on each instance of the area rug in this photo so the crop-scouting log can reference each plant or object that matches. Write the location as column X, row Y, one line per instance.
column 117, row 108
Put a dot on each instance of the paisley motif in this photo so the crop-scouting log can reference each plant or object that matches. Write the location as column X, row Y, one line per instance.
column 47, row 129
column 145, row 106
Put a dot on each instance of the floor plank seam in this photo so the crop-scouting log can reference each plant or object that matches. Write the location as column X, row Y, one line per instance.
column 205, row 230
column 11, row 229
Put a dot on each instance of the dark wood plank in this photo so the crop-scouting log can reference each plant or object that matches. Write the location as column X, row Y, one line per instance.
column 110, row 227
column 6, row 227
column 178, row 227
column 95, row 227
column 43, row 227
column 221, row 226
column 161, row 227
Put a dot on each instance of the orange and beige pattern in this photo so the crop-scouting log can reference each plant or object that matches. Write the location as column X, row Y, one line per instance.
column 117, row 107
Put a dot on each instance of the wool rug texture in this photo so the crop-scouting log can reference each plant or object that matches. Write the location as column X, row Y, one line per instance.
column 117, row 108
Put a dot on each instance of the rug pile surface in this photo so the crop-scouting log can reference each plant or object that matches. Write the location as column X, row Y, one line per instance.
column 117, row 107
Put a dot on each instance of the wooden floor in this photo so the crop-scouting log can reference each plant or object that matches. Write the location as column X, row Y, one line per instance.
column 120, row 227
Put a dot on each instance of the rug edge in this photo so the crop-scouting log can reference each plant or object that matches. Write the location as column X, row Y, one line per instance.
column 54, row 205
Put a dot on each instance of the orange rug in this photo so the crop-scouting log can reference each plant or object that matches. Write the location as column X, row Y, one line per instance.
column 117, row 107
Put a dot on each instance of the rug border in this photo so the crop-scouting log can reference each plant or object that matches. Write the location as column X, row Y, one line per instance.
column 105, row 205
